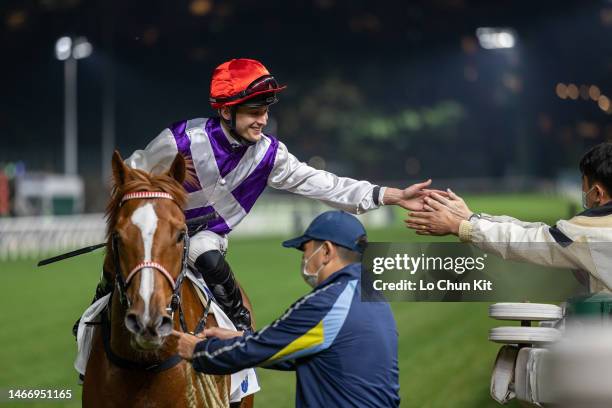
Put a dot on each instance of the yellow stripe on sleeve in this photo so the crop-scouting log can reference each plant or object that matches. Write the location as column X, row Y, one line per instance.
column 311, row 338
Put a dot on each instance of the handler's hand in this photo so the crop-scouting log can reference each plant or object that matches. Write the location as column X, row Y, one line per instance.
column 186, row 343
column 437, row 219
column 453, row 202
column 222, row 334
column 410, row 198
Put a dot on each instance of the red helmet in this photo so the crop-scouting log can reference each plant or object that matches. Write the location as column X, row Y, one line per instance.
column 239, row 80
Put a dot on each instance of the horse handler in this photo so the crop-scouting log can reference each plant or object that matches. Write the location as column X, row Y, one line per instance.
column 233, row 162
column 344, row 351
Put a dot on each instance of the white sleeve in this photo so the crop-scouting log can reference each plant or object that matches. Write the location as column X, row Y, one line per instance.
column 542, row 245
column 339, row 192
column 157, row 156
column 507, row 218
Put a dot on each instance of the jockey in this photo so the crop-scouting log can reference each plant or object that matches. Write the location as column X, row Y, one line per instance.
column 233, row 162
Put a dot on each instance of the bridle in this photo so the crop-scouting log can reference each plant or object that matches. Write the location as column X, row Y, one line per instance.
column 175, row 301
column 122, row 285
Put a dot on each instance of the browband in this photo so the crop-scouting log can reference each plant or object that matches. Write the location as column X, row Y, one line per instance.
column 146, row 194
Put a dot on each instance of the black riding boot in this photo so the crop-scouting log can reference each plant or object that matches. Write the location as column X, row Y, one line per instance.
column 104, row 288
column 219, row 277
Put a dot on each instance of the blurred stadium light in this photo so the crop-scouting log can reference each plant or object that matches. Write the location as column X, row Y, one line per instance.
column 70, row 51
column 63, row 48
column 494, row 38
column 82, row 48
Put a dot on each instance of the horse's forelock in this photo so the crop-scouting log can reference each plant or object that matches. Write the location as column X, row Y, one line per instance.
column 140, row 180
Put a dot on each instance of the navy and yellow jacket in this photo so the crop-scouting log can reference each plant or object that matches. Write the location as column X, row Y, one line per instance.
column 344, row 351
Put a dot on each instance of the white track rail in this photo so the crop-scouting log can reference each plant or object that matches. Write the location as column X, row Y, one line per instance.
column 27, row 237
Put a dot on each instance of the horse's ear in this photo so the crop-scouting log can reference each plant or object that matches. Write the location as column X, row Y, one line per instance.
column 120, row 169
column 178, row 169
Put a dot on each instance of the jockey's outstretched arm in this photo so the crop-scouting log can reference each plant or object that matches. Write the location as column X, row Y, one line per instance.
column 343, row 193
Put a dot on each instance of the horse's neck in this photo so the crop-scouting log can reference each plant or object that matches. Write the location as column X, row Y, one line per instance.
column 120, row 336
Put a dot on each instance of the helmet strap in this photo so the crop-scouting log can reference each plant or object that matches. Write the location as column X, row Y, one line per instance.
column 231, row 124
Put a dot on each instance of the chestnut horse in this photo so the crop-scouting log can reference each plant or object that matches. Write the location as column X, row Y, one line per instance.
column 132, row 362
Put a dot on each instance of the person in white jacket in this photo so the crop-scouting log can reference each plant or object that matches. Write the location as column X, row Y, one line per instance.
column 231, row 163
column 583, row 242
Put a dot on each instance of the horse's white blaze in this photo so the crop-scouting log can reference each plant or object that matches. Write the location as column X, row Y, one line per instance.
column 145, row 219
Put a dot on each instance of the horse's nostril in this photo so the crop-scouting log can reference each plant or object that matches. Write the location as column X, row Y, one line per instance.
column 133, row 323
column 165, row 326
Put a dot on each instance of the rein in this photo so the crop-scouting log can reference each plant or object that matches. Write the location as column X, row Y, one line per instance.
column 175, row 301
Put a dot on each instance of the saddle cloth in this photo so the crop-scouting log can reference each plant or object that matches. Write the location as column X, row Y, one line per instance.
column 243, row 383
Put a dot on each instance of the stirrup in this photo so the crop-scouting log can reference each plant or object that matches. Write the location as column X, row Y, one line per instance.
column 242, row 319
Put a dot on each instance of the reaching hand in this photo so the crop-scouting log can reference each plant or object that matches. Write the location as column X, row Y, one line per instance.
column 410, row 198
column 455, row 204
column 186, row 343
column 221, row 333
column 437, row 219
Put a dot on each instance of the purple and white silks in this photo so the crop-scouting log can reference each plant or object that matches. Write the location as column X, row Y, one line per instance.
column 232, row 182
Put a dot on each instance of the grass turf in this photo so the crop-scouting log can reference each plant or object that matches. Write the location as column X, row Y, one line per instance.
column 444, row 356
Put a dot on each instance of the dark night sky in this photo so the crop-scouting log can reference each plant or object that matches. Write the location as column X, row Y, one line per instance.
column 397, row 53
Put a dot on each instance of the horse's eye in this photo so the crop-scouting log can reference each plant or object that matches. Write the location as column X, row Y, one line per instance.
column 181, row 236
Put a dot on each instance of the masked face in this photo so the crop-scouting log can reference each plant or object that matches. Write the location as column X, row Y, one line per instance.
column 590, row 197
column 585, row 199
column 312, row 279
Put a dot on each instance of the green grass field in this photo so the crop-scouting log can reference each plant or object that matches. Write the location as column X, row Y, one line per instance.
column 444, row 355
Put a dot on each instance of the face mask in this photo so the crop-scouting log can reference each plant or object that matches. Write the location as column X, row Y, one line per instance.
column 584, row 198
column 311, row 280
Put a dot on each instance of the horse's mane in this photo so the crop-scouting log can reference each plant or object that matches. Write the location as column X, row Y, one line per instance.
column 140, row 180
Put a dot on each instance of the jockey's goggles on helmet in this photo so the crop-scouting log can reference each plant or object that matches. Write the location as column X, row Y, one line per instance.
column 266, row 84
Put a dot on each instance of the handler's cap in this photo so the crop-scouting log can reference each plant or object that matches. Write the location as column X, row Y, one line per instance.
column 239, row 80
column 338, row 227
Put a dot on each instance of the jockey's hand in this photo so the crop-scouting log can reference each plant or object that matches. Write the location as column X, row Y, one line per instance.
column 186, row 343
column 222, row 334
column 453, row 202
column 410, row 198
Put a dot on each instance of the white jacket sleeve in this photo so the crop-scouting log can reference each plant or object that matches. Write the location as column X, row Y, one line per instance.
column 157, row 157
column 339, row 192
column 507, row 218
column 542, row 245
